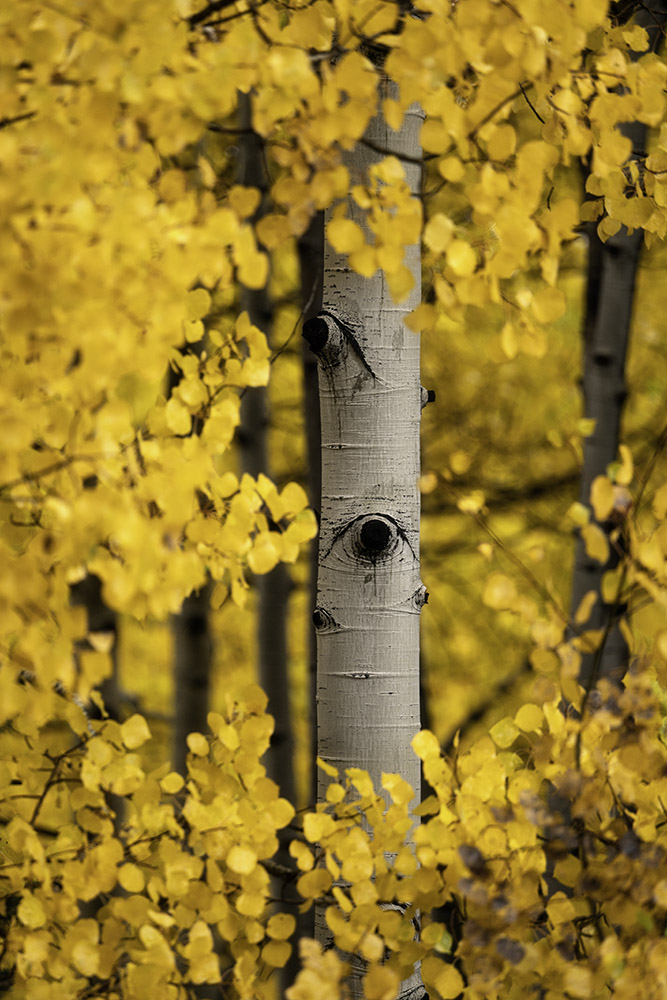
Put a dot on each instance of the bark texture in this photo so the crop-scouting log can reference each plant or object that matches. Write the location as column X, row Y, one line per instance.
column 612, row 271
column 369, row 588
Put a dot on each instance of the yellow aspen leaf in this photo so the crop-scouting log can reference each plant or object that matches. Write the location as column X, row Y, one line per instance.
column 345, row 235
column 586, row 605
column 364, row 261
column 504, row 733
column 206, row 172
column 380, row 982
column 361, row 780
column 434, row 136
column 509, row 340
column 596, row 542
column 472, row 503
column 254, row 699
column 441, row 976
column 590, row 13
column 460, row 462
column 400, row 282
column 194, row 331
column 461, row 258
column 452, row 169
column 390, row 258
column 389, row 170
column 293, row 499
column 335, row 793
column 586, row 426
column 273, row 229
column 625, row 470
column 529, row 718
column 501, row 143
column 197, row 744
column 254, row 270
column 425, row 744
column 276, row 953
column 239, row 592
column 242, row 860
column 579, row 514
column 31, row 912
column 172, row 783
column 134, row 732
column 131, row 878
column 281, row 926
column 318, row 825
column 607, row 228
column 399, row 789
column 602, row 497
column 357, row 868
column 228, row 736
column 437, row 937
column 427, row 483
column 197, row 304
column 86, row 957
column 302, row 855
column 393, row 114
column 204, row 968
column 265, row 553
column 327, row 768
column 178, row 417
column 438, row 232
column 314, row 883
column 577, row 980
column 548, row 305
column 421, row 318
column 342, row 899
column 244, row 200
column 499, row 592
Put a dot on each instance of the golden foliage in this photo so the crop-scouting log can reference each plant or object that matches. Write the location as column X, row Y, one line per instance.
column 124, row 238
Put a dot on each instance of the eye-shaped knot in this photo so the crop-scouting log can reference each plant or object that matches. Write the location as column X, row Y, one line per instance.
column 324, row 621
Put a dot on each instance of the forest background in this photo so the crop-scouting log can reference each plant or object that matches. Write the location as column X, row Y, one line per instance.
column 122, row 391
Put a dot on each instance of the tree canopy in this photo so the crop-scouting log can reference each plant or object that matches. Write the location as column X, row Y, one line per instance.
column 126, row 238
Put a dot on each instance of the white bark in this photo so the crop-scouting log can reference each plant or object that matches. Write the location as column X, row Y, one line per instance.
column 369, row 589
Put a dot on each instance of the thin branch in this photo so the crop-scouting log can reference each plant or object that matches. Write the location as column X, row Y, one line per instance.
column 6, row 122
column 211, row 8
column 377, row 148
column 530, row 104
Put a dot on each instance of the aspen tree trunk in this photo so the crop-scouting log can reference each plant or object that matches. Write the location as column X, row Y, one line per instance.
column 369, row 589
column 311, row 265
column 192, row 662
column 272, row 588
column 612, row 272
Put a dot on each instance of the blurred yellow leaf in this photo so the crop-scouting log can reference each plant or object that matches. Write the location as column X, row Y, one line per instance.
column 135, row 732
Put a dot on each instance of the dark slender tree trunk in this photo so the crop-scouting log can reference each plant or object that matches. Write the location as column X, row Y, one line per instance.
column 192, row 661
column 272, row 588
column 311, row 257
column 612, row 272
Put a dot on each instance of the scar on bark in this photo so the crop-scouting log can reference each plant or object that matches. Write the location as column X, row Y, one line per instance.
column 317, row 332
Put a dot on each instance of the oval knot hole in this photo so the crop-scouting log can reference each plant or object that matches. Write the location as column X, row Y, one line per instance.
column 375, row 535
column 316, row 332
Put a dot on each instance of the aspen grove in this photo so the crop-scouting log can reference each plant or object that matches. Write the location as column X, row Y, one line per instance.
column 534, row 863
